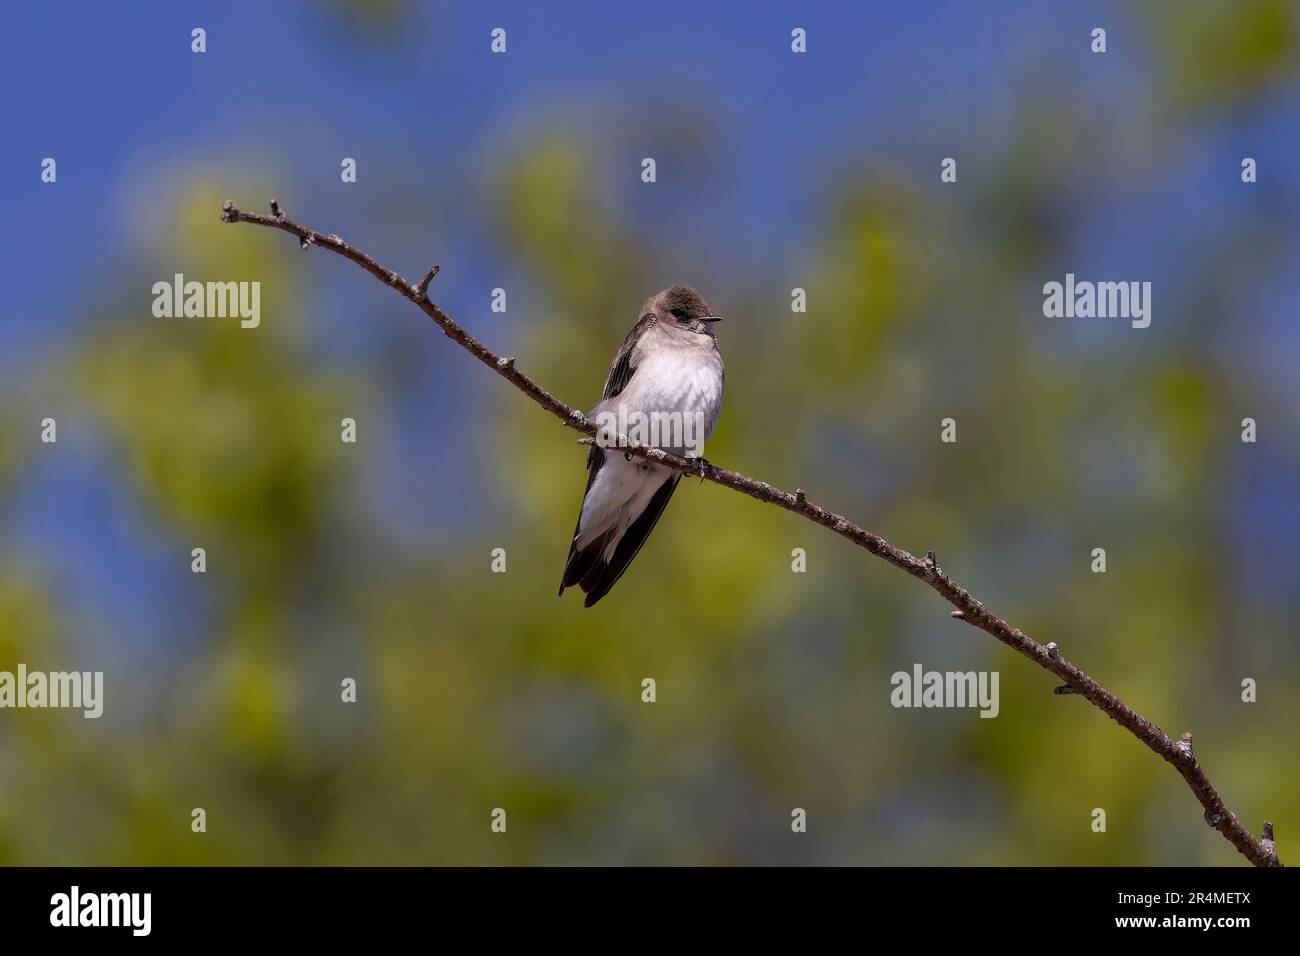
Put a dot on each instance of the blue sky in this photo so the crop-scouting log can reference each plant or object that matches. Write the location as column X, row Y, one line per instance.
column 114, row 93
column 112, row 90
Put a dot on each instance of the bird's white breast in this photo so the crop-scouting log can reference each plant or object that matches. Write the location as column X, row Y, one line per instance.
column 676, row 373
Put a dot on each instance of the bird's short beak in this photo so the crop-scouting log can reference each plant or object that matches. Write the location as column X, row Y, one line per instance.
column 710, row 318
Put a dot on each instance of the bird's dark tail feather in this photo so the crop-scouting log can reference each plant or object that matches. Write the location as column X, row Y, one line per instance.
column 583, row 563
column 588, row 568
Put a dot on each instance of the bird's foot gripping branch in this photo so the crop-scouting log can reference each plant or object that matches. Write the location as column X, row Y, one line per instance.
column 1261, row 850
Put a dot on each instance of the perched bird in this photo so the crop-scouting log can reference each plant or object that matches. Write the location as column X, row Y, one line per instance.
column 669, row 370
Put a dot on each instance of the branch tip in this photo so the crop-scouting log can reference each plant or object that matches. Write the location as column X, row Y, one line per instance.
column 957, row 615
column 1270, row 847
column 1064, row 689
column 423, row 288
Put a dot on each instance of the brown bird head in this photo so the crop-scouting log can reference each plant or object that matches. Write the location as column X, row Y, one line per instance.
column 682, row 307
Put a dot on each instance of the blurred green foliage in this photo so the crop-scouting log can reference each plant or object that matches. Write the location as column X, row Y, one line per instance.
column 480, row 690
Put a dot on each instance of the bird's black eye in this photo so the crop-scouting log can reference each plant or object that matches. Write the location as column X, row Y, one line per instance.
column 679, row 314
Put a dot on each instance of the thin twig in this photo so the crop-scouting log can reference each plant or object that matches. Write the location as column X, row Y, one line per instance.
column 1260, row 851
column 423, row 287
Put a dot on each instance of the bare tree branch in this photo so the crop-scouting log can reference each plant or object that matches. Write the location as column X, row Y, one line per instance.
column 1260, row 852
